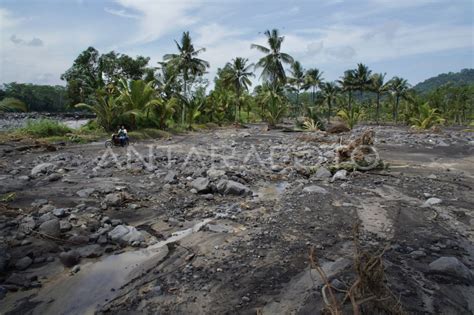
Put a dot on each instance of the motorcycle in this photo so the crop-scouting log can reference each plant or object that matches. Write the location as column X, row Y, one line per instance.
column 115, row 142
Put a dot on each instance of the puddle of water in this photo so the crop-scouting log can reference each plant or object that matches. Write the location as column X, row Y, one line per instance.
column 91, row 288
column 272, row 192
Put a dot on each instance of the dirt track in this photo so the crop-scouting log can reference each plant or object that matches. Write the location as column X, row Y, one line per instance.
column 201, row 247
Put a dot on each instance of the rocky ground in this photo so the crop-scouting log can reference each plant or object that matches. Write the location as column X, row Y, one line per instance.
column 223, row 222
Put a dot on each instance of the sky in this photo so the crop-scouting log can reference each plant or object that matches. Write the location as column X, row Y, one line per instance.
column 414, row 39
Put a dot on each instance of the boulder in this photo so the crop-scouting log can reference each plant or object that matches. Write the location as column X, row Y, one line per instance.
column 60, row 212
column 201, row 184
column 23, row 263
column 126, row 234
column 113, row 199
column 171, row 177
column 236, row 188
column 51, row 228
column 18, row 280
column 339, row 175
column 215, row 174
column 322, row 173
column 70, row 258
column 431, row 202
column 315, row 190
column 84, row 193
column 42, row 168
column 27, row 224
column 451, row 266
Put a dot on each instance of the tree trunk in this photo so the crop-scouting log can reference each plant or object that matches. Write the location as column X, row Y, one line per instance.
column 350, row 101
column 237, row 106
column 297, row 104
column 329, row 111
column 184, row 104
column 396, row 110
column 377, row 111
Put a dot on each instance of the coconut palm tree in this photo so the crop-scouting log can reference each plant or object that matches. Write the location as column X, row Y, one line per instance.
column 297, row 80
column 272, row 62
column 379, row 87
column 237, row 74
column 399, row 88
column 362, row 79
column 348, row 85
column 329, row 91
column 187, row 63
column 313, row 80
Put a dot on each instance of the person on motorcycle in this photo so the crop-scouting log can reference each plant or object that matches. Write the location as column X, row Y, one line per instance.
column 123, row 135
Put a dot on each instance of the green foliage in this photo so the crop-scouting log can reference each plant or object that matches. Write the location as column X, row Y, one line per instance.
column 352, row 117
column 464, row 77
column 10, row 104
column 45, row 128
column 38, row 98
column 271, row 64
column 107, row 111
column 428, row 117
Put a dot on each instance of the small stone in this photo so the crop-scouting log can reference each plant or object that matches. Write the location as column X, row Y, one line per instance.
column 65, row 226
column 69, row 258
column 75, row 269
column 339, row 175
column 431, row 202
column 54, row 177
column 322, row 173
column 51, row 228
column 23, row 263
column 200, row 184
column 84, row 193
column 42, row 168
column 315, row 189
column 60, row 212
column 451, row 266
column 170, row 178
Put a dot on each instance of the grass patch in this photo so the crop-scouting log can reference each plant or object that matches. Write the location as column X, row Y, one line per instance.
column 43, row 128
column 148, row 133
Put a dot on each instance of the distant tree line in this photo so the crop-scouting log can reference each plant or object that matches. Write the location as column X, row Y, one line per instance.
column 120, row 89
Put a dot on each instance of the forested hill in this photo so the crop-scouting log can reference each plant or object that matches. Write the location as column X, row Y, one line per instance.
column 465, row 76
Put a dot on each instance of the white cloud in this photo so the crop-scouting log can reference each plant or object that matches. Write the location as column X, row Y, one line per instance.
column 121, row 13
column 157, row 18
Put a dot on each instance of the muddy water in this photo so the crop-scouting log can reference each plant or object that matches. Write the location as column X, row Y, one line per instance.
column 97, row 282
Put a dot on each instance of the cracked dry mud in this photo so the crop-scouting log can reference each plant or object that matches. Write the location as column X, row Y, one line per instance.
column 200, row 247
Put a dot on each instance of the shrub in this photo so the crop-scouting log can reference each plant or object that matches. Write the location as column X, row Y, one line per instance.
column 45, row 128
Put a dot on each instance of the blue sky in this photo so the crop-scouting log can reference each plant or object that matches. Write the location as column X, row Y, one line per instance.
column 415, row 39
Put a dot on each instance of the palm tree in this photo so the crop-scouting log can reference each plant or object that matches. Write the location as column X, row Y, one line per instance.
column 187, row 63
column 348, row 85
column 272, row 63
column 379, row 87
column 297, row 80
column 106, row 109
column 237, row 74
column 362, row 79
column 399, row 88
column 313, row 80
column 330, row 90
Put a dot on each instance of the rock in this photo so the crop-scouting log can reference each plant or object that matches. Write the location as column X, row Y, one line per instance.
column 276, row 168
column 60, row 212
column 417, row 254
column 113, row 199
column 322, row 173
column 230, row 187
column 54, row 177
column 3, row 292
column 90, row 251
column 79, row 239
column 51, row 228
column 126, row 234
column 315, row 189
column 27, row 224
column 70, row 258
column 451, row 266
column 84, row 193
column 215, row 174
column 219, row 228
column 201, row 184
column 23, row 263
column 65, row 226
column 18, row 280
column 42, row 168
column 431, row 202
column 339, row 175
column 171, row 177
column 4, row 258
column 46, row 217
column 75, row 269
